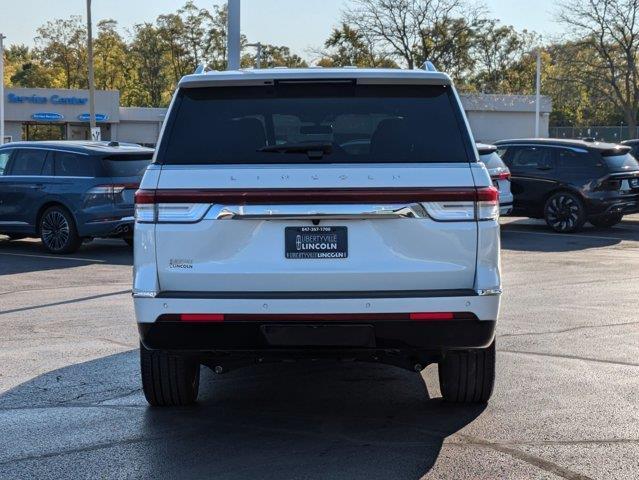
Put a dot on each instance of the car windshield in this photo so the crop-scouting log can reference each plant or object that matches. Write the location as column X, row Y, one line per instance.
column 621, row 163
column 306, row 123
column 126, row 165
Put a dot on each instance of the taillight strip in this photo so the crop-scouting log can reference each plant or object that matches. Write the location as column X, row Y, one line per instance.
column 310, row 196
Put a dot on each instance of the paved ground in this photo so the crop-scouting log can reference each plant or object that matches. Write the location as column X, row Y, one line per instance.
column 566, row 403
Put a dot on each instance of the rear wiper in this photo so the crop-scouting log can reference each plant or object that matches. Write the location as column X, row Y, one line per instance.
column 313, row 150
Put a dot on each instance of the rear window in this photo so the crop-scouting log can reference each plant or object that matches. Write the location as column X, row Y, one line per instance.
column 337, row 122
column 126, row 165
column 621, row 163
column 492, row 161
column 68, row 164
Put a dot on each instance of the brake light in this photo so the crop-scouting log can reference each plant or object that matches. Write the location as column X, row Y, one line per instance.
column 432, row 316
column 105, row 194
column 483, row 206
column 501, row 176
column 487, row 203
column 202, row 317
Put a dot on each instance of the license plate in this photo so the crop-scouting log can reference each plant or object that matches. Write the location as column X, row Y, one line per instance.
column 315, row 242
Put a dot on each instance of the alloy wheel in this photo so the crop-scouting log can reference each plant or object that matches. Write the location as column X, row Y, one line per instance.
column 563, row 213
column 55, row 230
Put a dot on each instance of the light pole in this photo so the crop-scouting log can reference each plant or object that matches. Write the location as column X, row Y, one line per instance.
column 2, row 37
column 538, row 93
column 258, row 55
column 95, row 135
column 233, row 34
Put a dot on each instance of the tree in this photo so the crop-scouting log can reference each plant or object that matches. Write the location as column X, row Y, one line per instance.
column 61, row 46
column 148, row 55
column 280, row 56
column 499, row 51
column 608, row 31
column 347, row 46
column 110, row 57
column 414, row 31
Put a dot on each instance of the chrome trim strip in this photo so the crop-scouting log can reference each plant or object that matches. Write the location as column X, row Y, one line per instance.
column 13, row 223
column 48, row 149
column 314, row 211
column 488, row 292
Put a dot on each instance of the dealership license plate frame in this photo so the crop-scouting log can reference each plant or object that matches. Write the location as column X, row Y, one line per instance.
column 333, row 241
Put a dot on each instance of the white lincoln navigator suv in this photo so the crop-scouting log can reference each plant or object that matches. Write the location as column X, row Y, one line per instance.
column 316, row 213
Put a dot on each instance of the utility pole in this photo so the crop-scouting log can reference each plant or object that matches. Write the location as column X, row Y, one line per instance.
column 233, row 33
column 538, row 94
column 258, row 55
column 95, row 133
column 2, row 37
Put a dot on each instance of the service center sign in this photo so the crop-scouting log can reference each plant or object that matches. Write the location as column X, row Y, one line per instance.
column 40, row 100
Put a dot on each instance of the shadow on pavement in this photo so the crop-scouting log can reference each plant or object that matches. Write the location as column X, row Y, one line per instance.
column 535, row 236
column 306, row 420
column 21, row 256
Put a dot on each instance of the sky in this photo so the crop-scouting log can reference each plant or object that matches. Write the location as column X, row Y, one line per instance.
column 300, row 24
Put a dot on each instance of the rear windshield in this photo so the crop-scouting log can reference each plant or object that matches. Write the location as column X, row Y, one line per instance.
column 308, row 123
column 492, row 161
column 126, row 165
column 621, row 163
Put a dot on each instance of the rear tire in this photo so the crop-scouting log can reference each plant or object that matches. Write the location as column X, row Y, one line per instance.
column 606, row 221
column 468, row 376
column 168, row 380
column 58, row 232
column 564, row 212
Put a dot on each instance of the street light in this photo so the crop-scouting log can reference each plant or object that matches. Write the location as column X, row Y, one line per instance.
column 2, row 37
column 258, row 54
column 95, row 132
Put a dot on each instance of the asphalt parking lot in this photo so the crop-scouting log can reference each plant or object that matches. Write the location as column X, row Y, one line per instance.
column 566, row 403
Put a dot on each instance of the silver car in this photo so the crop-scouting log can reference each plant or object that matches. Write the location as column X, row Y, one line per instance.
column 499, row 174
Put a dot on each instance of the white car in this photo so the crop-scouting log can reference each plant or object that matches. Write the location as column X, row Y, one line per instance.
column 316, row 213
column 499, row 173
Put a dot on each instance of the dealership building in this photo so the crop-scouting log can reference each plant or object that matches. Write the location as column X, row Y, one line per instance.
column 56, row 114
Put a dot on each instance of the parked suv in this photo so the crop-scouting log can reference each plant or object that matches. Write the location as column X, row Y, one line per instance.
column 499, row 174
column 316, row 213
column 569, row 182
column 67, row 192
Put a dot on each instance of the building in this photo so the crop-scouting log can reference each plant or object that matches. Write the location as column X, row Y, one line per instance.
column 499, row 117
column 55, row 114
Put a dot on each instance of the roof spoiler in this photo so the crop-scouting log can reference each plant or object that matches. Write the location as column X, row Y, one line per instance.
column 484, row 149
column 617, row 150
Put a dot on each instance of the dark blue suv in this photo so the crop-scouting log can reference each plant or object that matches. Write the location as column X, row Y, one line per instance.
column 65, row 192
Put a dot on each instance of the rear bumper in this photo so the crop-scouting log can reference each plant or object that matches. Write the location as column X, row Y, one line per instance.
column 119, row 227
column 337, row 322
column 263, row 337
column 622, row 204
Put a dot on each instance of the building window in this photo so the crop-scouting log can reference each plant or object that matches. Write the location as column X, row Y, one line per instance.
column 43, row 131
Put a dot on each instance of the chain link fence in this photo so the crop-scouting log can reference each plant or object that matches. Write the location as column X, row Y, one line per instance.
column 601, row 133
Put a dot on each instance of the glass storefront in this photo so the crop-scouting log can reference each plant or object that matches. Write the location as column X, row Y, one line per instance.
column 43, row 131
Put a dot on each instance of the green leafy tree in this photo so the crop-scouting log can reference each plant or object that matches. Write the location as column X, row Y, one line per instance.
column 61, row 46
column 151, row 66
column 110, row 57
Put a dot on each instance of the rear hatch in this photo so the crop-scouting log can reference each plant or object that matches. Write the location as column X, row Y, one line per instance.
column 125, row 171
column 298, row 187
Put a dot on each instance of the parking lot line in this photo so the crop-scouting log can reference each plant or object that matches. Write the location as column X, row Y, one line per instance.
column 562, row 234
column 91, row 260
column 64, row 302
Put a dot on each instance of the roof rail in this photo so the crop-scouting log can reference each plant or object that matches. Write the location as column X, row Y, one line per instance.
column 429, row 66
